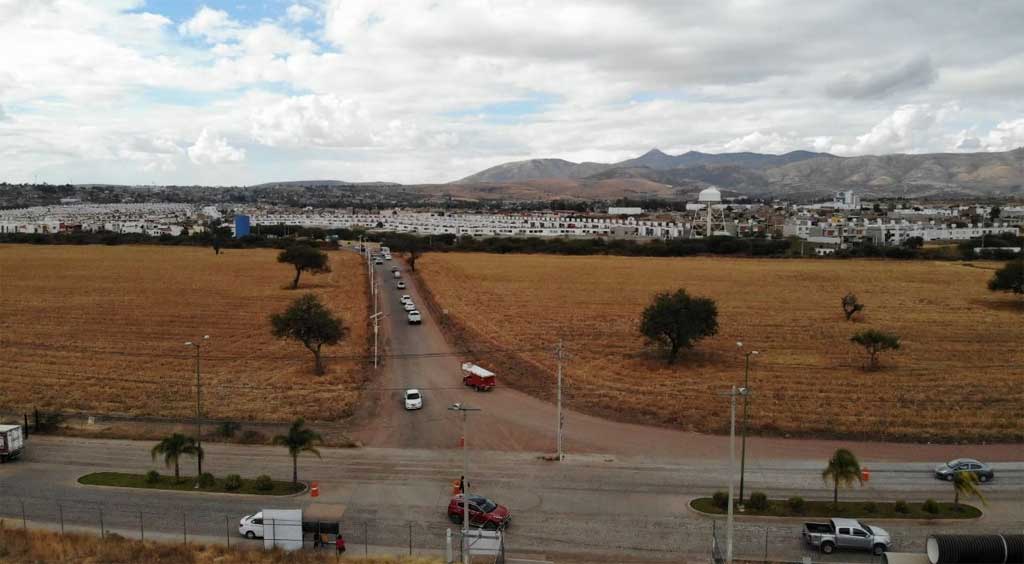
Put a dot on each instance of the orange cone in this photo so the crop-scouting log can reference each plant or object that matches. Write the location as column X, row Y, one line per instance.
column 314, row 490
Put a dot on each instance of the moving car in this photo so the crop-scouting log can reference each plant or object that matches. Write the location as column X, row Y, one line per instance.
column 394, row 269
column 482, row 512
column 848, row 534
column 406, row 299
column 409, row 306
column 378, row 261
column 400, row 285
column 413, row 399
column 946, row 470
column 415, row 318
column 251, row 526
column 397, row 274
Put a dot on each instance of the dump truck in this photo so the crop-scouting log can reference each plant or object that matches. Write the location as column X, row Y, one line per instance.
column 480, row 379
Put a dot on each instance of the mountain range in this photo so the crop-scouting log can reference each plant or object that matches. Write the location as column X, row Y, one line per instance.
column 795, row 174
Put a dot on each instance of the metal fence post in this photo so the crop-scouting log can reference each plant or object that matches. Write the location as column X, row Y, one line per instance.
column 366, row 541
column 184, row 526
column 410, row 538
column 142, row 527
column 60, row 511
column 24, row 520
column 102, row 533
column 766, row 545
column 227, row 530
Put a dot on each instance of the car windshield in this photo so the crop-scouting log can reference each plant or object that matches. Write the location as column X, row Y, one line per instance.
column 412, row 396
column 953, row 463
column 483, row 503
column 867, row 528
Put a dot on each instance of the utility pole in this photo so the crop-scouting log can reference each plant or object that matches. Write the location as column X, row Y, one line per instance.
column 732, row 468
column 199, row 410
column 746, row 400
column 465, row 478
column 376, row 323
column 559, row 423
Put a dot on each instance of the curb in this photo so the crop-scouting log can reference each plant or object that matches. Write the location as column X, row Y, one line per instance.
column 304, row 490
column 777, row 519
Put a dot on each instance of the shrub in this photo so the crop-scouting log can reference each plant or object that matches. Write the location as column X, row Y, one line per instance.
column 758, row 501
column 264, row 483
column 720, row 499
column 870, row 507
column 253, row 437
column 930, row 506
column 206, row 480
column 227, row 429
column 901, row 507
column 232, row 482
column 796, row 504
column 152, row 477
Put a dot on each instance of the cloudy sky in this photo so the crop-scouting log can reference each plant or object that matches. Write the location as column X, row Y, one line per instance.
column 215, row 92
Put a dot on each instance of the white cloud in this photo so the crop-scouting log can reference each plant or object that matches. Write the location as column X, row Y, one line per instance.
column 298, row 13
column 908, row 129
column 327, row 120
column 1005, row 136
column 758, row 142
column 213, row 25
column 210, row 149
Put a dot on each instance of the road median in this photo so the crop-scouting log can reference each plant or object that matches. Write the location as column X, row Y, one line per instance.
column 243, row 486
column 800, row 510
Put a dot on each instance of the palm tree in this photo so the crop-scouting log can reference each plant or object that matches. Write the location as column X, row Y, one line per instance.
column 965, row 483
column 843, row 468
column 173, row 447
column 298, row 440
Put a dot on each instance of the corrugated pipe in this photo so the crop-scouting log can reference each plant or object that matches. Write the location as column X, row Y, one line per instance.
column 976, row 549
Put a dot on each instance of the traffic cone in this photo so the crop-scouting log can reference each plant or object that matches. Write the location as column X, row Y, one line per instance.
column 314, row 490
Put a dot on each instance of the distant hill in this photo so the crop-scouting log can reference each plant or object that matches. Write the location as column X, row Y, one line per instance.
column 323, row 184
column 802, row 173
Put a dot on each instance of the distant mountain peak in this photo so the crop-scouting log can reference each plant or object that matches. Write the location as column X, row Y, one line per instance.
column 655, row 152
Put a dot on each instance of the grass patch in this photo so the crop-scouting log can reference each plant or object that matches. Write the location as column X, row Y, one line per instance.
column 850, row 509
column 186, row 484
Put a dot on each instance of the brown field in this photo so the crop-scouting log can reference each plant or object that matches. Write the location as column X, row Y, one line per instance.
column 958, row 376
column 101, row 330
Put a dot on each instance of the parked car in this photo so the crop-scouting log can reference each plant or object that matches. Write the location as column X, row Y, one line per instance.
column 409, row 306
column 413, row 399
column 400, row 285
column 415, row 318
column 482, row 512
column 946, row 470
column 847, row 534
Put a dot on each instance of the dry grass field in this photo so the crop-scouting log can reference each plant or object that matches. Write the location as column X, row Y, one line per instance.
column 101, row 329
column 959, row 375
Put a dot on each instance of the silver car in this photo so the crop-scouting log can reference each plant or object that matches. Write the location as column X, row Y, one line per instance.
column 946, row 470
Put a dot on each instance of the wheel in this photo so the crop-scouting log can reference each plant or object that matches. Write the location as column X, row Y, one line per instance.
column 949, row 477
column 455, row 518
column 878, row 549
column 828, row 548
column 490, row 526
column 250, row 535
column 984, row 478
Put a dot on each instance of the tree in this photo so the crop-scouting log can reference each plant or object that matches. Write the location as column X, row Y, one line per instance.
column 414, row 251
column 994, row 213
column 1009, row 278
column 913, row 242
column 305, row 259
column 965, row 483
column 298, row 440
column 851, row 306
column 843, row 469
column 172, row 448
column 307, row 320
column 875, row 342
column 678, row 321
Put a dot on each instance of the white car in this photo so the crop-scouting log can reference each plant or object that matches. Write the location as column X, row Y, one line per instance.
column 400, row 285
column 413, row 399
column 414, row 317
column 409, row 306
column 406, row 299
column 378, row 261
column 251, row 526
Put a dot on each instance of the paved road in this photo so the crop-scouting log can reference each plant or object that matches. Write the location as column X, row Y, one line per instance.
column 419, row 356
column 588, row 505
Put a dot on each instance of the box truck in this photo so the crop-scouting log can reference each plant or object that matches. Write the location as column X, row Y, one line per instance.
column 12, row 442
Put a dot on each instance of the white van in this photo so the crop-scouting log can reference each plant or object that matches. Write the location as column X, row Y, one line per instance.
column 397, row 274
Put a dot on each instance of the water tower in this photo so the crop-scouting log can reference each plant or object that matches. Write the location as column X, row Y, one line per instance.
column 714, row 218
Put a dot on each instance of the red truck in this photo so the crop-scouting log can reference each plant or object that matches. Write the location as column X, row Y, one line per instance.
column 480, row 379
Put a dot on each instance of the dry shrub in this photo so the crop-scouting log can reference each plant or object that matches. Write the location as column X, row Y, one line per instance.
column 960, row 360
column 101, row 330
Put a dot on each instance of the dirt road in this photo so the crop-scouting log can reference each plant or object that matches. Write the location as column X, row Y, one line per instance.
column 419, row 356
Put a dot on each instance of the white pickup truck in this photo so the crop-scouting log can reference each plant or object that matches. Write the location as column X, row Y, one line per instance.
column 848, row 534
column 12, row 442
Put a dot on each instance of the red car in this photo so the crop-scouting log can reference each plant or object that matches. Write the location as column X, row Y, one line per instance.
column 482, row 512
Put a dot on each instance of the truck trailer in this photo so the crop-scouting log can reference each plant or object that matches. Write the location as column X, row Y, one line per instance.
column 12, row 442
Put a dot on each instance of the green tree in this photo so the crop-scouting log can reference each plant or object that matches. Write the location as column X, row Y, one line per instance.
column 298, row 440
column 876, row 342
column 307, row 320
column 1009, row 278
column 965, row 483
column 677, row 320
column 172, row 448
column 305, row 259
column 843, row 469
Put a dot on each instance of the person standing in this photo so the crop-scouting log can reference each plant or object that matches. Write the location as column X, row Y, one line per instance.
column 339, row 543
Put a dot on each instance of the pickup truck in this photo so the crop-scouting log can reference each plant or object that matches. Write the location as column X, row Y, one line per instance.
column 847, row 534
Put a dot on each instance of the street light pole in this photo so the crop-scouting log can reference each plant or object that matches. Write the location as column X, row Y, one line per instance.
column 732, row 468
column 560, row 355
column 376, row 323
column 465, row 478
column 746, row 400
column 199, row 410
